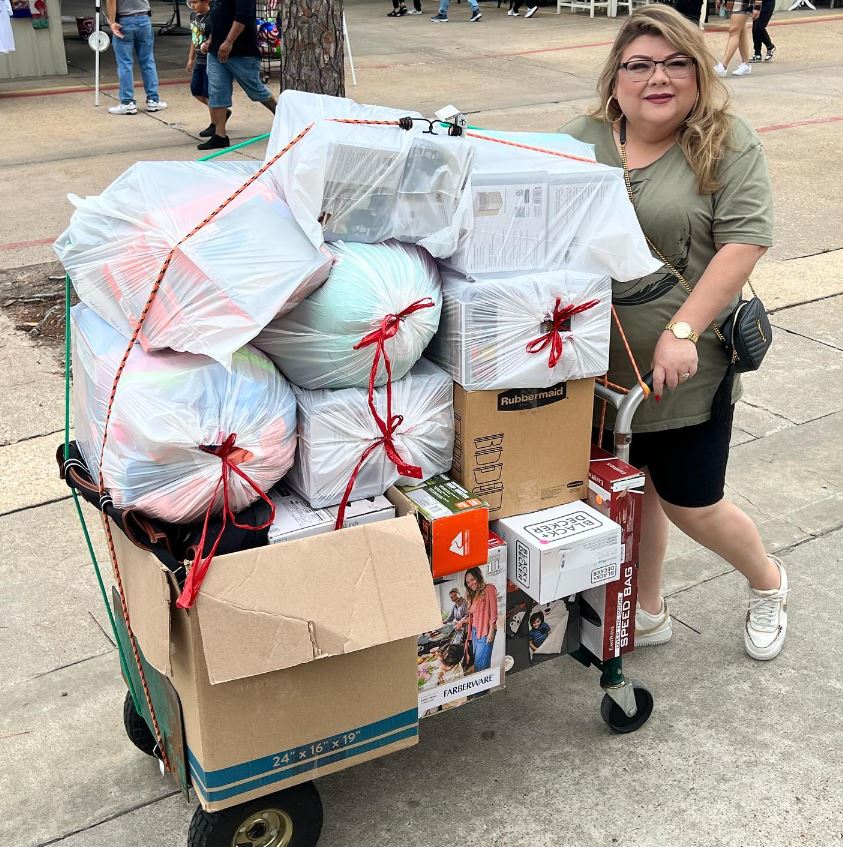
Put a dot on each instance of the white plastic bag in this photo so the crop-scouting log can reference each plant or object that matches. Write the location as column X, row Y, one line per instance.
column 224, row 284
column 336, row 428
column 527, row 211
column 490, row 326
column 167, row 407
column 314, row 345
column 369, row 183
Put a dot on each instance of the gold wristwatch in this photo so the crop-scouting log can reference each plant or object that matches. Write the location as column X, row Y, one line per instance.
column 683, row 331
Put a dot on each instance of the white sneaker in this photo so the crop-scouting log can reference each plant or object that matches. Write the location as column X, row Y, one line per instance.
column 531, row 11
column 743, row 69
column 766, row 619
column 512, row 13
column 124, row 109
column 651, row 630
column 155, row 105
column 720, row 69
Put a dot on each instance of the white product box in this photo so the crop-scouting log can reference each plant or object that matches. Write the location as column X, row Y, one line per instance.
column 557, row 552
column 450, row 665
column 296, row 518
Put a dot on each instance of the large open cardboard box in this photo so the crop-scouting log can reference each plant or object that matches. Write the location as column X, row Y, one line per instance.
column 297, row 659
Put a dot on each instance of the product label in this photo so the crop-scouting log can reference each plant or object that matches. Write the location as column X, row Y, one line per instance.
column 519, row 399
column 522, row 563
column 604, row 573
column 563, row 527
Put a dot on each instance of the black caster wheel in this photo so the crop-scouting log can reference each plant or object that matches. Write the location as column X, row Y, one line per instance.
column 290, row 818
column 136, row 728
column 615, row 718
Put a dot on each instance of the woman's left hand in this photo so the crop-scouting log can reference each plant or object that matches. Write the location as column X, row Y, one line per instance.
column 674, row 363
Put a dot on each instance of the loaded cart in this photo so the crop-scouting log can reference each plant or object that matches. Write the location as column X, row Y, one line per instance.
column 300, row 575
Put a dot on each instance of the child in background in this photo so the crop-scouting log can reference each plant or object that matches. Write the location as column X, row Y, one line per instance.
column 197, row 60
column 539, row 630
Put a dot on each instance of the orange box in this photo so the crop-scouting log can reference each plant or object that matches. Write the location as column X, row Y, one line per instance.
column 454, row 525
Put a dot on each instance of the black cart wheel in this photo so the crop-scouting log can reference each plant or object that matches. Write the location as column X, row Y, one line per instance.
column 136, row 728
column 617, row 720
column 290, row 818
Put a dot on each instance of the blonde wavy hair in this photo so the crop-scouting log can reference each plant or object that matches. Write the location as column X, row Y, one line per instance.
column 706, row 133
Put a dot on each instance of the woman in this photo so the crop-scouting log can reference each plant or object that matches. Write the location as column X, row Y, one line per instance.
column 482, row 617
column 738, row 36
column 761, row 14
column 702, row 195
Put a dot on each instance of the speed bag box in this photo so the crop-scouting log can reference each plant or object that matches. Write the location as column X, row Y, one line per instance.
column 524, row 449
column 297, row 659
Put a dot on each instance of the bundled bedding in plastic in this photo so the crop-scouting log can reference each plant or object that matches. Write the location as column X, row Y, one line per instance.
column 530, row 330
column 170, row 410
column 364, row 182
column 394, row 288
column 337, row 427
column 527, row 210
column 251, row 263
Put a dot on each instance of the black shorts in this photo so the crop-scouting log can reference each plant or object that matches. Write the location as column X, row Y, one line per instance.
column 687, row 465
column 199, row 81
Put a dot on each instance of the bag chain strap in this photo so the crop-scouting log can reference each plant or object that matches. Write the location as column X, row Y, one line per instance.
column 656, row 250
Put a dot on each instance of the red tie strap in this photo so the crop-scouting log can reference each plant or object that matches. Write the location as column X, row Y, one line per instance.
column 388, row 329
column 227, row 455
column 553, row 337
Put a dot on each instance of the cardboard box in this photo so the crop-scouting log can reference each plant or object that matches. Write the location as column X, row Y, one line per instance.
column 454, row 525
column 296, row 661
column 607, row 619
column 557, row 552
column 447, row 673
column 296, row 518
column 538, row 631
column 523, row 449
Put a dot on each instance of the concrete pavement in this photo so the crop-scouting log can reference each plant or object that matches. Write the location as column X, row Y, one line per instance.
column 736, row 753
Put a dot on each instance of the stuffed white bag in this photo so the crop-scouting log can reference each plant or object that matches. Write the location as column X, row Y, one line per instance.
column 363, row 182
column 336, row 429
column 391, row 288
column 224, row 283
column 168, row 407
column 533, row 330
column 527, row 211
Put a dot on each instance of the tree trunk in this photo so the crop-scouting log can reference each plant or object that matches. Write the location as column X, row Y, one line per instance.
column 312, row 46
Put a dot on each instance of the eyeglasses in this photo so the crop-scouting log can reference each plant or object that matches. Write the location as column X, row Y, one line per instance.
column 677, row 67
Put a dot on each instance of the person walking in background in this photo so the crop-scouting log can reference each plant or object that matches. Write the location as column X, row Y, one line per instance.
column 441, row 17
column 761, row 14
column 399, row 9
column 197, row 59
column 515, row 8
column 233, row 54
column 740, row 11
column 132, row 30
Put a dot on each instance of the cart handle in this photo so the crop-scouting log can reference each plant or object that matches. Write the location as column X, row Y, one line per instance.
column 627, row 405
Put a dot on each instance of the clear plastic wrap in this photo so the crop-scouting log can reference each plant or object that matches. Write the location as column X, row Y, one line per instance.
column 337, row 427
column 314, row 345
column 526, row 211
column 224, row 284
column 368, row 183
column 167, row 407
column 490, row 326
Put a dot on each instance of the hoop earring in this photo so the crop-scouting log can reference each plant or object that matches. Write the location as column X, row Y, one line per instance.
column 606, row 109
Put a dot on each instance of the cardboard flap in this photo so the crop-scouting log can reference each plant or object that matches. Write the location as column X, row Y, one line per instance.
column 147, row 588
column 278, row 606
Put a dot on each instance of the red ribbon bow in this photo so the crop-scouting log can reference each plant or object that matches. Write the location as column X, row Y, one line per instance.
column 201, row 563
column 553, row 337
column 388, row 329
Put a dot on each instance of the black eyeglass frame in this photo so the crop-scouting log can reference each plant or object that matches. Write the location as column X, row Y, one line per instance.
column 655, row 64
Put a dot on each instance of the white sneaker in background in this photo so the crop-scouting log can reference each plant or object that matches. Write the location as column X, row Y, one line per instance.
column 743, row 69
column 155, row 105
column 766, row 619
column 652, row 630
column 720, row 69
column 124, row 109
column 512, row 14
column 531, row 11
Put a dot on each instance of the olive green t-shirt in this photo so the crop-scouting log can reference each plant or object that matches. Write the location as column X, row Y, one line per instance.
column 684, row 225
